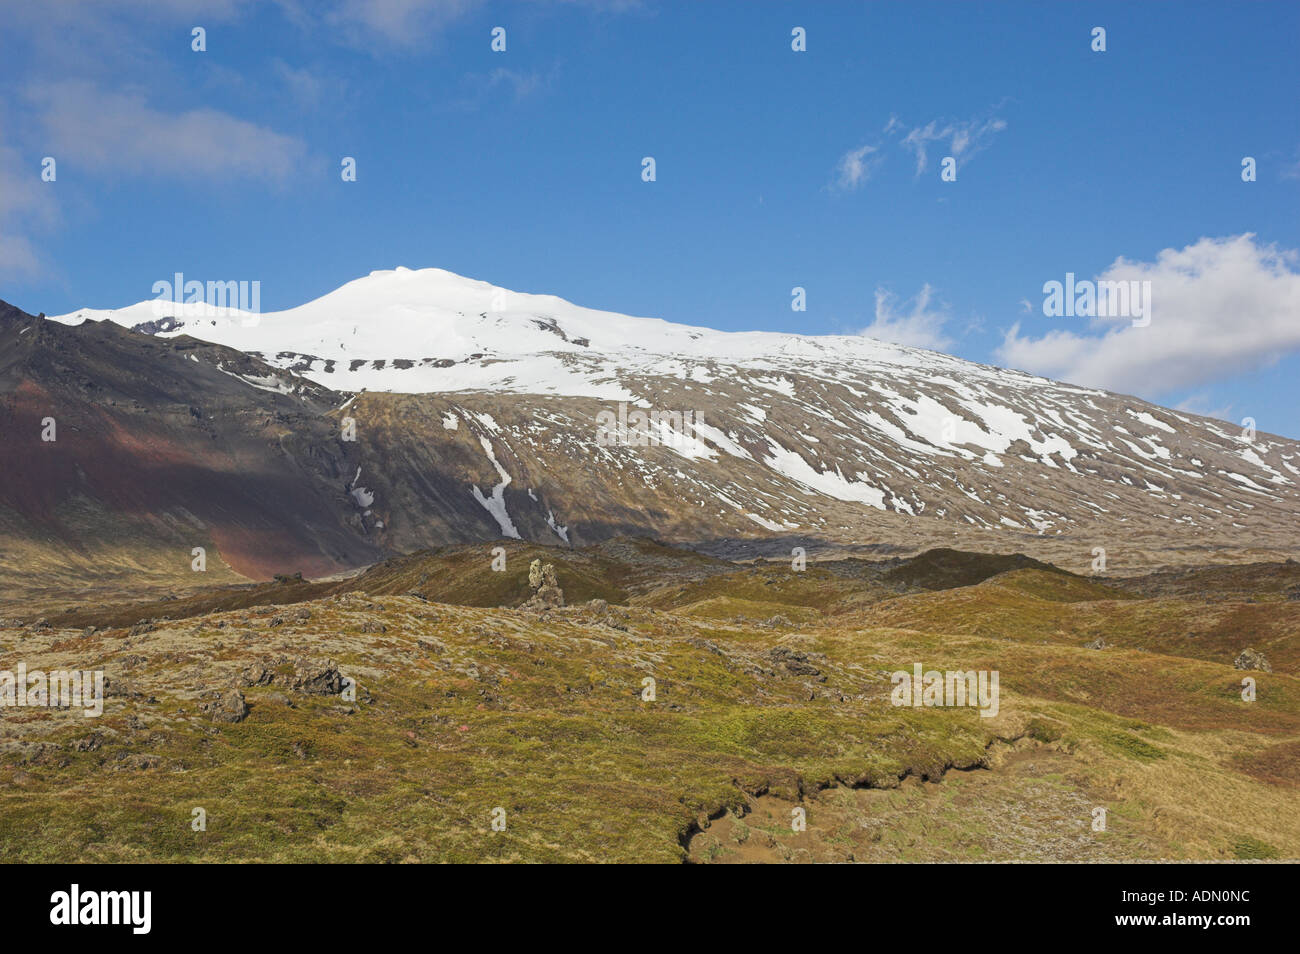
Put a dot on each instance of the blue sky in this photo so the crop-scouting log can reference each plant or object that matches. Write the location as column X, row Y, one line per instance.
column 774, row 168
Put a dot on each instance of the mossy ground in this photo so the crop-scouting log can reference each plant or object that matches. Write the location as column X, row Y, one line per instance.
column 464, row 709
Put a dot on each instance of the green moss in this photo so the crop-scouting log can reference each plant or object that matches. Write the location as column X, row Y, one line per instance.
column 1131, row 746
column 1247, row 848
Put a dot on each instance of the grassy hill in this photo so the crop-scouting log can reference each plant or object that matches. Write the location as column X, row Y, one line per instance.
column 769, row 696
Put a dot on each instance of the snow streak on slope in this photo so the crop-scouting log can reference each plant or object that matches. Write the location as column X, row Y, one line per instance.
column 496, row 504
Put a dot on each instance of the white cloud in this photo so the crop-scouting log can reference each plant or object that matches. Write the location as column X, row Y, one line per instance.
column 1200, row 404
column 381, row 27
column 918, row 323
column 120, row 132
column 17, row 256
column 1219, row 307
column 964, row 139
column 27, row 204
column 306, row 87
column 855, row 167
column 1292, row 169
column 397, row 23
column 518, row 84
column 476, row 90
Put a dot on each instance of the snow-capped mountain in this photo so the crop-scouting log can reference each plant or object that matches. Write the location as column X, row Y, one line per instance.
column 430, row 330
column 489, row 413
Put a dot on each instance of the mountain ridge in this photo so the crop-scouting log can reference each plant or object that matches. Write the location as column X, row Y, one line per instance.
column 751, row 436
column 438, row 315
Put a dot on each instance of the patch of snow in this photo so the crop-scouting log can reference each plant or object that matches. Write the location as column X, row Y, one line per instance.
column 496, row 503
column 832, row 484
column 561, row 532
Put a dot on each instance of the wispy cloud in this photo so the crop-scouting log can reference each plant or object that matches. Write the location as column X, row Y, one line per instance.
column 518, row 83
column 89, row 86
column 120, row 132
column 394, row 23
column 306, row 87
column 1200, row 404
column 383, row 27
column 27, row 206
column 476, row 90
column 963, row 139
column 918, row 322
column 1292, row 169
column 855, row 167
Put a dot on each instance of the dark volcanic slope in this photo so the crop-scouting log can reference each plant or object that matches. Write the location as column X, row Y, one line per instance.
column 160, row 446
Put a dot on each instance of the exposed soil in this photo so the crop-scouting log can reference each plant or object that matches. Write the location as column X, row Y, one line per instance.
column 1029, row 804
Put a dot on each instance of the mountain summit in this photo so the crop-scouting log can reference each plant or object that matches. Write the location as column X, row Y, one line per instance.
column 429, row 330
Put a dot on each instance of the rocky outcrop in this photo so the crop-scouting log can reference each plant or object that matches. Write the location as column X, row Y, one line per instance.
column 1249, row 659
column 317, row 678
column 224, row 705
column 312, row 676
column 545, row 586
